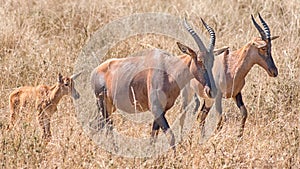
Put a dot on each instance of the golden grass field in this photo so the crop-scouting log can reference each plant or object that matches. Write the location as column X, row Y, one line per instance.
column 39, row 39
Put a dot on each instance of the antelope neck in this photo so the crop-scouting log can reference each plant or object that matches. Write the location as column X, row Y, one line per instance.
column 239, row 63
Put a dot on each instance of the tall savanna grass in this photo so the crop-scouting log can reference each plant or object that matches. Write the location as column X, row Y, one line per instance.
column 39, row 39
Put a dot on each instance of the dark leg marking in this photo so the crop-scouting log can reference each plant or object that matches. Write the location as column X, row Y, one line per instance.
column 203, row 114
column 240, row 104
column 154, row 132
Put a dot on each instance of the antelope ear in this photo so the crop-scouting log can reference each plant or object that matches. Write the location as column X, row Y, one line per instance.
column 259, row 44
column 220, row 50
column 60, row 80
column 75, row 76
column 274, row 37
column 187, row 50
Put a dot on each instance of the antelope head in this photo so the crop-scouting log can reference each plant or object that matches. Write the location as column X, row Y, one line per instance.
column 262, row 48
column 67, row 85
column 203, row 60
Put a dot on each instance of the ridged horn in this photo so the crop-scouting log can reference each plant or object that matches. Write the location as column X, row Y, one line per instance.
column 199, row 42
column 260, row 30
column 212, row 36
column 266, row 27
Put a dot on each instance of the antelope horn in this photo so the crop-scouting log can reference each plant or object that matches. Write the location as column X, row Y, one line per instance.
column 74, row 76
column 212, row 36
column 199, row 42
column 260, row 30
column 266, row 27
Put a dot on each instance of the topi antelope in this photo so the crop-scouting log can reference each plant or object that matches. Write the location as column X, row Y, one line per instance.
column 45, row 98
column 150, row 82
column 230, row 70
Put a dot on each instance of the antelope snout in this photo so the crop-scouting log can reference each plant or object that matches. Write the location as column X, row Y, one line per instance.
column 75, row 95
column 273, row 72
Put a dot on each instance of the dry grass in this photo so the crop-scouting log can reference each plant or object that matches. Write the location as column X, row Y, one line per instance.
column 38, row 39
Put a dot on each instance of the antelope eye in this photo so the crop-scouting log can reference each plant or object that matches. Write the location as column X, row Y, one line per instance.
column 263, row 49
